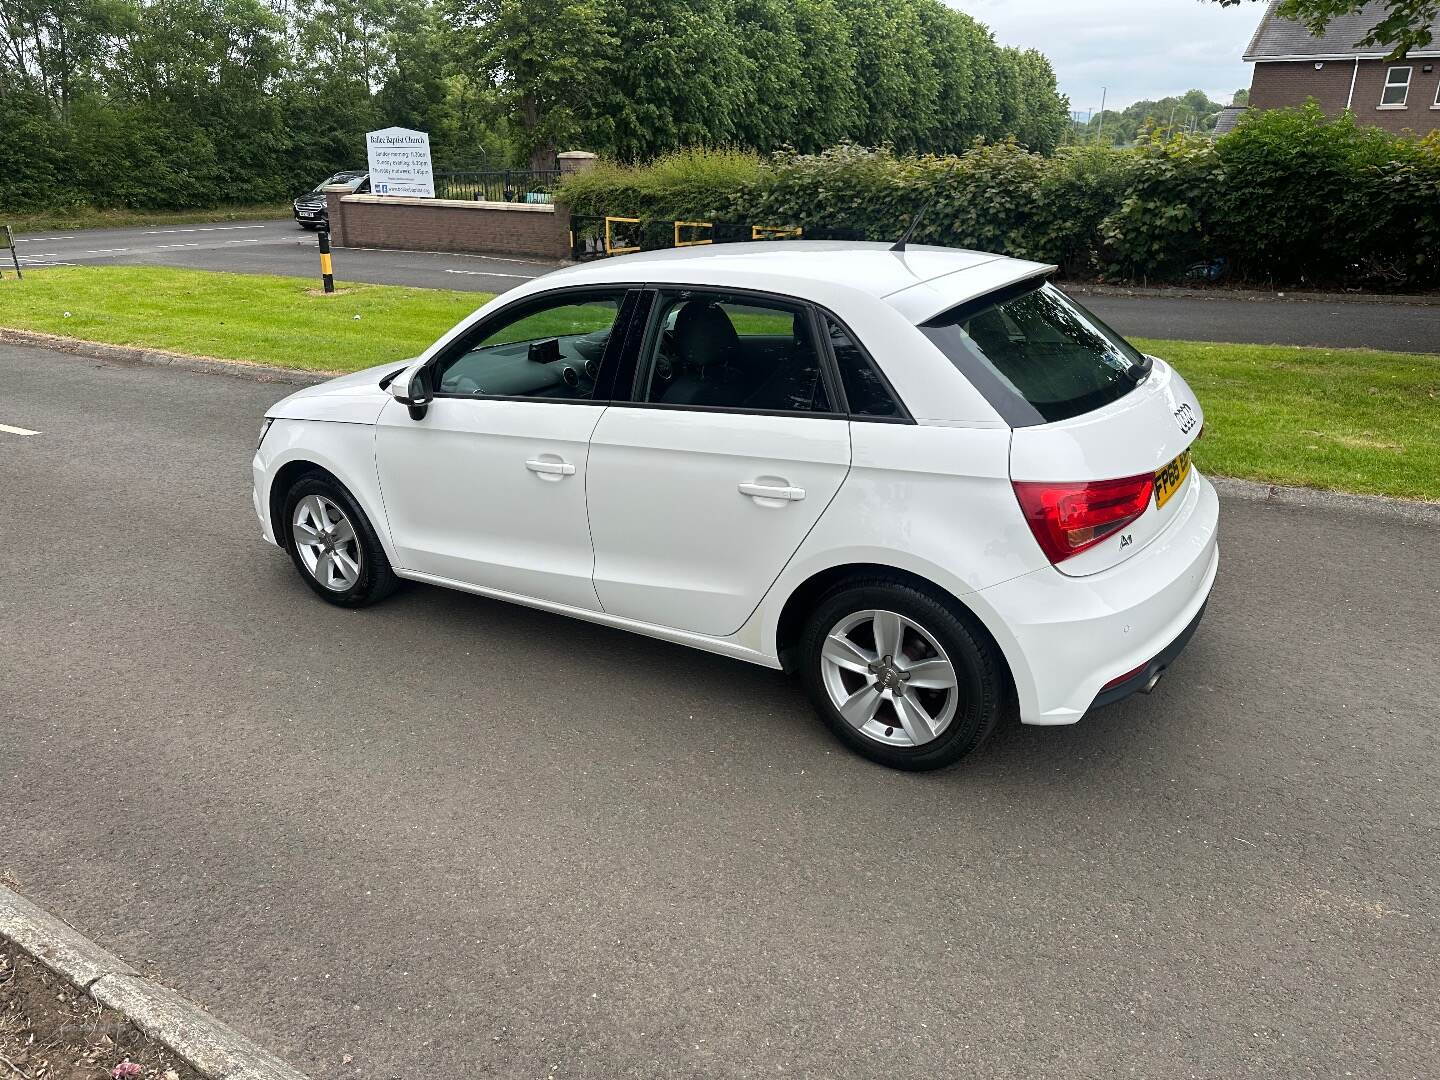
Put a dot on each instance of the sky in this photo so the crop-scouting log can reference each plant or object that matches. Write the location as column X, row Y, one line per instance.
column 1138, row 49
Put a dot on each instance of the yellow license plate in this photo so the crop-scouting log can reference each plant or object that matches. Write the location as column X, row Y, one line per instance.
column 1171, row 479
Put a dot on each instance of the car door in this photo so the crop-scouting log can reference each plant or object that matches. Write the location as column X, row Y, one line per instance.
column 703, row 487
column 488, row 487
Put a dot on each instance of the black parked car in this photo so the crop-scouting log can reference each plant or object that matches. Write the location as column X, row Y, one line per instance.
column 310, row 207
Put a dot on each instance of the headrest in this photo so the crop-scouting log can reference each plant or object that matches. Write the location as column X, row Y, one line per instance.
column 704, row 334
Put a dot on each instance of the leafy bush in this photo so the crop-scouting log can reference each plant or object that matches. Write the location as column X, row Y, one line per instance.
column 1287, row 198
column 1159, row 227
column 699, row 183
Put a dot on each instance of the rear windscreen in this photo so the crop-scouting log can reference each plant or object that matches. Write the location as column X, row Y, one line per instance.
column 1036, row 354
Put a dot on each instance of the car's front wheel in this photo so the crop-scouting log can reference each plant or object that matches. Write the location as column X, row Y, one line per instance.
column 333, row 544
column 901, row 677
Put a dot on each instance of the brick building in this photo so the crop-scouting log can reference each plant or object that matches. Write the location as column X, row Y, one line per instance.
column 1293, row 65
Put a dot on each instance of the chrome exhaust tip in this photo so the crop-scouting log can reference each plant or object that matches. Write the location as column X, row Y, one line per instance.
column 1151, row 683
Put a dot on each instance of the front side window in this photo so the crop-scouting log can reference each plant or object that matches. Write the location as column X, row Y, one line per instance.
column 1397, row 86
column 1035, row 354
column 730, row 352
column 550, row 348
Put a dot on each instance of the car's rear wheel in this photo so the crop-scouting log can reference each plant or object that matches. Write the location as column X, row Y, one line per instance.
column 333, row 544
column 900, row 676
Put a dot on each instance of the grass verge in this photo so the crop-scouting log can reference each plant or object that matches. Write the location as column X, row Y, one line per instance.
column 1342, row 419
column 283, row 321
column 89, row 217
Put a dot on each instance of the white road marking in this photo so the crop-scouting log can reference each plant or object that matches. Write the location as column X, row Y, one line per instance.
column 204, row 228
column 104, row 251
column 40, row 239
column 489, row 273
column 491, row 258
column 17, row 430
column 244, row 241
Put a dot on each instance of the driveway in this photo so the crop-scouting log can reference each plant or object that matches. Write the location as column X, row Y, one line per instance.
column 282, row 247
column 450, row 837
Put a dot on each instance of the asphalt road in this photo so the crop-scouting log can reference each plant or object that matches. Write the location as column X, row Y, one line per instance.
column 281, row 247
column 271, row 247
column 455, row 838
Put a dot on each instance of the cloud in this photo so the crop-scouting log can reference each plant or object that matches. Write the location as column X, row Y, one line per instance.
column 1136, row 49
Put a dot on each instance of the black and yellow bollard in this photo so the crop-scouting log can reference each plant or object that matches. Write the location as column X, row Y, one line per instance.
column 326, row 273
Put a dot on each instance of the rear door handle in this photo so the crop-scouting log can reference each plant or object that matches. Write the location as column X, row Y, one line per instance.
column 550, row 468
column 766, row 491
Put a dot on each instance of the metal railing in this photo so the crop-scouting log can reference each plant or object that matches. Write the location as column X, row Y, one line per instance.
column 597, row 237
column 506, row 185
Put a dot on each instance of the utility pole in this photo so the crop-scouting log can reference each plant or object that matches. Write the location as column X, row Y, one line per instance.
column 1101, row 130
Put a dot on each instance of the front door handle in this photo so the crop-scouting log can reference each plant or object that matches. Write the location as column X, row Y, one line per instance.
column 766, row 491
column 550, row 468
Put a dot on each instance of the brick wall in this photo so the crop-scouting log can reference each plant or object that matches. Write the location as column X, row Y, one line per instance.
column 382, row 221
column 1284, row 84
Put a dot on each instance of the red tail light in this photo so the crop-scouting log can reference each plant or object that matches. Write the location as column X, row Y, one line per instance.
column 1069, row 518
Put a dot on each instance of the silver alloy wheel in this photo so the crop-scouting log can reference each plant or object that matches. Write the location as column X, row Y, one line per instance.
column 327, row 543
column 889, row 678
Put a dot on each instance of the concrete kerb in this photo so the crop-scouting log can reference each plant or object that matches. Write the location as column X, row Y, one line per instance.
column 1403, row 510
column 1406, row 511
column 210, row 1047
column 127, row 354
column 1283, row 296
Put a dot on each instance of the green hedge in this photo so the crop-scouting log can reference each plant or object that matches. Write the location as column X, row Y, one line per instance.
column 1287, row 198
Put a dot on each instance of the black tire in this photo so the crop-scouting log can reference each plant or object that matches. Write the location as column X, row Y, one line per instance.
column 376, row 580
column 982, row 680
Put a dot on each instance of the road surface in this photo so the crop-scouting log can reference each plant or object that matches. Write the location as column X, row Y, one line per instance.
column 454, row 838
column 281, row 247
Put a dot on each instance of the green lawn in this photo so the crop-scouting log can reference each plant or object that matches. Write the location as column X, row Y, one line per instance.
column 1346, row 419
column 88, row 217
column 1351, row 420
column 269, row 320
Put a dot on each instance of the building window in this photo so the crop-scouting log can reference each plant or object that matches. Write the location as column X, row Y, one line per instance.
column 1437, row 97
column 1397, row 87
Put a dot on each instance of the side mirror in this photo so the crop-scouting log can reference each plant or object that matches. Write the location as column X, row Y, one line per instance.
column 416, row 393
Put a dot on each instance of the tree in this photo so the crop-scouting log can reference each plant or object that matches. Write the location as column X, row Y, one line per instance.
column 546, row 58
column 1404, row 26
column 828, row 108
column 679, row 80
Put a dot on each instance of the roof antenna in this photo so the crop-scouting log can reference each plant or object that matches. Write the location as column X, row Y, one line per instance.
column 899, row 245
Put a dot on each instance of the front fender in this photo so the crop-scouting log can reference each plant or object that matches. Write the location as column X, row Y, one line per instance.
column 345, row 450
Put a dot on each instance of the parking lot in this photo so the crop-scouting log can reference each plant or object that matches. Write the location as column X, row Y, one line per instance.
column 450, row 837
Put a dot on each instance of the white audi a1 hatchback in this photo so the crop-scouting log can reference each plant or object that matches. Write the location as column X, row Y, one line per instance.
column 925, row 480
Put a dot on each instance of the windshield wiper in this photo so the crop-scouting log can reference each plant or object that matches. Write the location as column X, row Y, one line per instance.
column 1138, row 373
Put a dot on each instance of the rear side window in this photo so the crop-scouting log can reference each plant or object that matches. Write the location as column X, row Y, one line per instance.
column 867, row 393
column 714, row 351
column 1036, row 354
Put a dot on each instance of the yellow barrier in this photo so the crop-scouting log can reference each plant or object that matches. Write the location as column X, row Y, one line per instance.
column 692, row 225
column 610, row 248
column 776, row 232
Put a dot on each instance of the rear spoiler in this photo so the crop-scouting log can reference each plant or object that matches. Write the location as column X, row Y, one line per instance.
column 924, row 301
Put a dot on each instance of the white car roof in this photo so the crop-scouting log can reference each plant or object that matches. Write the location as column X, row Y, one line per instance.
column 920, row 282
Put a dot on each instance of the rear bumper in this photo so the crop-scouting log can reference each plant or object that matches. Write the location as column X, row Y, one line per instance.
column 1066, row 638
column 1146, row 677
